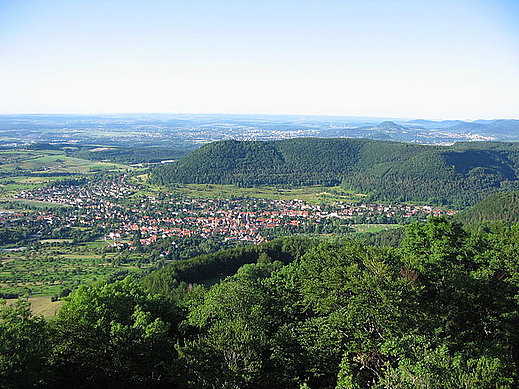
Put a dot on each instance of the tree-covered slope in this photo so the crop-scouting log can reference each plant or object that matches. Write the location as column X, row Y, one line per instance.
column 499, row 207
column 440, row 311
column 220, row 264
column 461, row 174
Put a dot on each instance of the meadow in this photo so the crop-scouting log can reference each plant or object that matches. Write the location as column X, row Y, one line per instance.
column 312, row 194
column 29, row 169
column 52, row 266
column 42, row 306
column 372, row 228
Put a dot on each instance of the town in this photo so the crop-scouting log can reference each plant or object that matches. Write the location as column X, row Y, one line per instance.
column 121, row 211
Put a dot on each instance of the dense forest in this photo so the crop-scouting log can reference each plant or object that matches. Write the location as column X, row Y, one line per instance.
column 497, row 208
column 461, row 174
column 438, row 311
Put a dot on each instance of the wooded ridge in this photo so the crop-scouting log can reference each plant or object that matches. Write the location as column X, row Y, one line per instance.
column 461, row 175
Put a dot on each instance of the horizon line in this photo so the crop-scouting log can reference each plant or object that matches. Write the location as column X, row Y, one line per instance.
column 253, row 114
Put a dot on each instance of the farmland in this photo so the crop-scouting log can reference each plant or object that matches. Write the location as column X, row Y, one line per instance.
column 53, row 266
column 312, row 194
column 68, row 221
column 28, row 169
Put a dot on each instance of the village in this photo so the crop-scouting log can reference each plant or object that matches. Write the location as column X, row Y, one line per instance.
column 117, row 208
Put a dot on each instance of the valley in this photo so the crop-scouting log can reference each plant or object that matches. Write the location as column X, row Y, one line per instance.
column 61, row 231
column 149, row 248
column 259, row 194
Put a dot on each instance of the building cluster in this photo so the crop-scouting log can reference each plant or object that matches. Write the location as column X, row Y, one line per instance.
column 123, row 213
column 78, row 193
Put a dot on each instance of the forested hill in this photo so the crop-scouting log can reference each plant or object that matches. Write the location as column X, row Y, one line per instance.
column 461, row 174
column 440, row 311
column 500, row 207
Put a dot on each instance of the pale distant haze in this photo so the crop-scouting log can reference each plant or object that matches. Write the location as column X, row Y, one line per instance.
column 409, row 59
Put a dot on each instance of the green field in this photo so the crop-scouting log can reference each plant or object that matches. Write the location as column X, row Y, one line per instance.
column 58, row 265
column 313, row 194
column 374, row 227
column 51, row 162
column 48, row 241
column 22, row 170
column 11, row 203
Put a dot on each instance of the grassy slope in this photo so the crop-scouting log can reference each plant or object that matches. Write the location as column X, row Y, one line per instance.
column 312, row 194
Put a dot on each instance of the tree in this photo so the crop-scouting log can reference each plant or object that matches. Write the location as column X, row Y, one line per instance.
column 115, row 335
column 357, row 300
column 234, row 323
column 24, row 346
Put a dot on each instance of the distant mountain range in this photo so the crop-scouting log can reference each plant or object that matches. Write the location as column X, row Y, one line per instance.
column 447, row 131
column 461, row 174
column 189, row 131
column 499, row 124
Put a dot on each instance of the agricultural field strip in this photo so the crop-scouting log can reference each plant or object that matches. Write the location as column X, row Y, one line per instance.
column 28, row 169
column 49, row 268
column 313, row 194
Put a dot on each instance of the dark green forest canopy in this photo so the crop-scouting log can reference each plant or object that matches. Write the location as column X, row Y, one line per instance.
column 172, row 278
column 441, row 311
column 461, row 174
column 497, row 208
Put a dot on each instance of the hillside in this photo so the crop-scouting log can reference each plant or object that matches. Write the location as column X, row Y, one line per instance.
column 499, row 207
column 461, row 174
column 208, row 268
column 440, row 311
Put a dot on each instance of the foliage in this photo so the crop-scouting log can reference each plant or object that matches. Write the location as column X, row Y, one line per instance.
column 459, row 175
column 351, row 316
column 388, row 238
column 23, row 346
column 500, row 207
column 114, row 335
column 440, row 311
column 223, row 263
column 14, row 235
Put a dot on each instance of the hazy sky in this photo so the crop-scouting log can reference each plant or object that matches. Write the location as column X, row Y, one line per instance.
column 393, row 58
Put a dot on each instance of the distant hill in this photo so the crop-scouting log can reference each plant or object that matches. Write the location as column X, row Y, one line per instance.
column 502, row 125
column 385, row 131
column 502, row 128
column 499, row 207
column 461, row 174
column 390, row 126
column 469, row 126
column 431, row 124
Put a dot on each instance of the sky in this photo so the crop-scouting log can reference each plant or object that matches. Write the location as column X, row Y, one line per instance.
column 455, row 59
